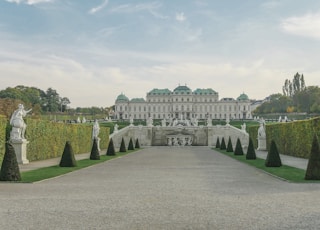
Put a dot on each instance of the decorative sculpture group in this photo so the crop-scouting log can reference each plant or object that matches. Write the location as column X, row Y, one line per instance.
column 18, row 124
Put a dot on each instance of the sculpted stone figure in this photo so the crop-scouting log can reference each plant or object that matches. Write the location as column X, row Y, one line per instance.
column 18, row 124
column 95, row 130
column 261, row 131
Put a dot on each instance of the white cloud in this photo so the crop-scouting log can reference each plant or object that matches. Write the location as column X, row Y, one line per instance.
column 307, row 25
column 98, row 8
column 271, row 4
column 130, row 8
column 180, row 17
column 29, row 2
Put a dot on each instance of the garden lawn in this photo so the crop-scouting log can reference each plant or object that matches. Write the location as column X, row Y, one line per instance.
column 285, row 172
column 54, row 171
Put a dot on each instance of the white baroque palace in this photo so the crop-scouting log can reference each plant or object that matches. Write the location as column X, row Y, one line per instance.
column 182, row 103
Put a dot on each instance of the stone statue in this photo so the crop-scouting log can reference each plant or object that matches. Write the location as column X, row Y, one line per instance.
column 95, row 130
column 95, row 133
column 209, row 121
column 131, row 121
column 163, row 123
column 18, row 124
column 116, row 126
column 243, row 127
column 150, row 121
column 261, row 131
column 84, row 120
column 78, row 120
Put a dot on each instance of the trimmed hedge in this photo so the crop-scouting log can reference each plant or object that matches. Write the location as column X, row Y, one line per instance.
column 47, row 139
column 3, row 128
column 292, row 138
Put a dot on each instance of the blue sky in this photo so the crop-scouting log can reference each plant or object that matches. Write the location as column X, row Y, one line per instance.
column 91, row 51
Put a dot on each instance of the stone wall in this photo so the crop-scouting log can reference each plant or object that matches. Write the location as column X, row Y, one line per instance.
column 159, row 136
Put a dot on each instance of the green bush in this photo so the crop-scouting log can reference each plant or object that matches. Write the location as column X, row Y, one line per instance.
column 10, row 168
column 223, row 144
column 67, row 158
column 218, row 143
column 313, row 168
column 3, row 130
column 229, row 146
column 273, row 157
column 111, row 151
column 94, row 154
column 46, row 139
column 251, row 153
column 238, row 151
column 130, row 146
column 137, row 145
column 123, row 146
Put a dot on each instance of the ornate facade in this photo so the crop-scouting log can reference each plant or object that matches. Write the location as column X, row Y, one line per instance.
column 184, row 103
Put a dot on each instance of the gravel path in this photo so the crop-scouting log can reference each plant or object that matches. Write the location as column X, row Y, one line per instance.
column 162, row 188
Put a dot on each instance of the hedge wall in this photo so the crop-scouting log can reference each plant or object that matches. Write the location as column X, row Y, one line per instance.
column 47, row 139
column 292, row 138
column 3, row 127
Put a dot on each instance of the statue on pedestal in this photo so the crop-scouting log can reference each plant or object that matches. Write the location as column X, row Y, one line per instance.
column 95, row 133
column 18, row 124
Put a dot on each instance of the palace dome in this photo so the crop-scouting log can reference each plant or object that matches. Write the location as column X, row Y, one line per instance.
column 182, row 89
column 243, row 97
column 122, row 98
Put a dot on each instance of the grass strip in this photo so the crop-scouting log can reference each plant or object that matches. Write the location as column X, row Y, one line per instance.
column 54, row 171
column 285, row 172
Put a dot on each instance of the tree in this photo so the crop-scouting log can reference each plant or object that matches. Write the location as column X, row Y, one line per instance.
column 67, row 158
column 218, row 143
column 52, row 100
column 137, row 144
column 111, row 151
column 229, row 146
column 273, row 157
column 251, row 153
column 313, row 168
column 223, row 144
column 130, row 146
column 238, row 151
column 10, row 168
column 94, row 155
column 123, row 146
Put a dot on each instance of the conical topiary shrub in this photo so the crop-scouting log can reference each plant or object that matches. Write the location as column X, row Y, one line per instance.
column 94, row 155
column 273, row 157
column 123, row 146
column 111, row 151
column 251, row 153
column 229, row 146
column 130, row 146
column 67, row 158
column 238, row 151
column 10, row 168
column 137, row 145
column 223, row 144
column 218, row 143
column 313, row 168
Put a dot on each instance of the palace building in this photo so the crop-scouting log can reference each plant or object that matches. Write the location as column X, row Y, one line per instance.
column 184, row 103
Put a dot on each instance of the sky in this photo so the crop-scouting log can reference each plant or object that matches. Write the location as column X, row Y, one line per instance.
column 92, row 51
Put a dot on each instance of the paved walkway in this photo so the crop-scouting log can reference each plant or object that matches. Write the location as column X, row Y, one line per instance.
column 286, row 160
column 162, row 188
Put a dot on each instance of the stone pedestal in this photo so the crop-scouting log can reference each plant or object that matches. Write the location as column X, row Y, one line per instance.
column 20, row 147
column 262, row 144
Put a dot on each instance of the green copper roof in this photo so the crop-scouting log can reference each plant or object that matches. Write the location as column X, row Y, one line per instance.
column 137, row 100
column 243, row 97
column 182, row 89
column 159, row 92
column 208, row 91
column 122, row 98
